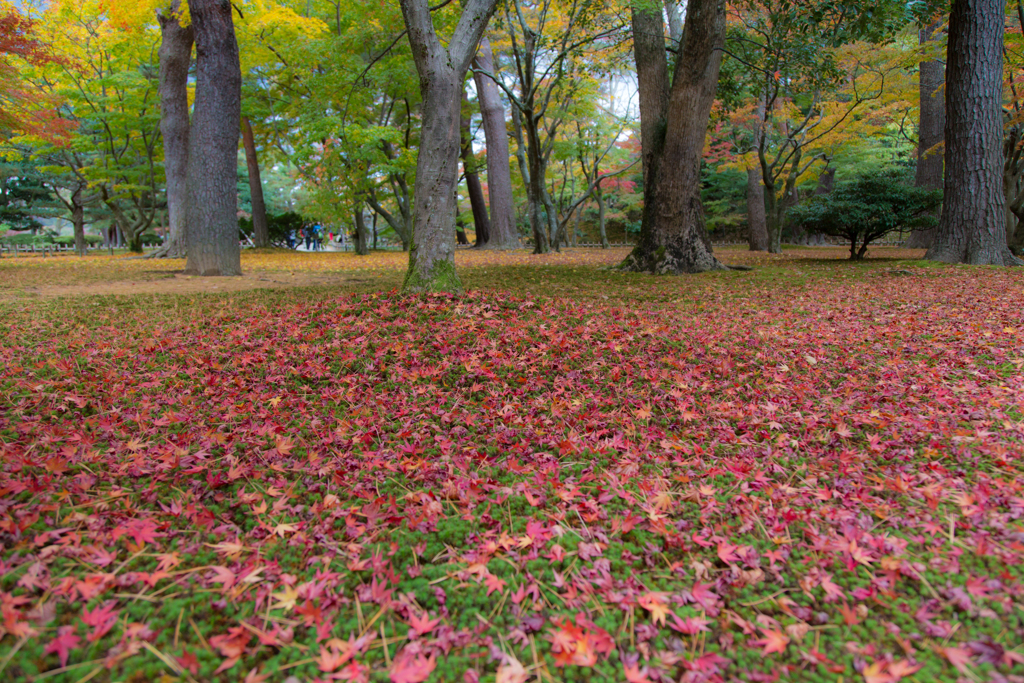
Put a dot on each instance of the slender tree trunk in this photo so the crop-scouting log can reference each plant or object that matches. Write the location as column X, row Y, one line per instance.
column 536, row 192
column 261, row 231
column 481, row 222
column 931, row 122
column 673, row 237
column 675, row 22
column 756, row 218
column 551, row 214
column 460, row 232
column 78, row 220
column 503, row 234
column 213, row 247
column 602, row 227
column 972, row 228
column 362, row 248
column 442, row 71
column 175, row 55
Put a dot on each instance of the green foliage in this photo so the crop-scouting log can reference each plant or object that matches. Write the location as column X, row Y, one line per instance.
column 723, row 193
column 278, row 226
column 869, row 207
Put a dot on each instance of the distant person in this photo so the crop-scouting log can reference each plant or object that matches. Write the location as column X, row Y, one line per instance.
column 307, row 234
column 291, row 239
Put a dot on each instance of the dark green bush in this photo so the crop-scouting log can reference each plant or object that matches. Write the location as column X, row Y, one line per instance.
column 869, row 207
column 278, row 225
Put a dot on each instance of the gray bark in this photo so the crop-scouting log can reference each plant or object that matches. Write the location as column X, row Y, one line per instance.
column 362, row 244
column 972, row 228
column 756, row 218
column 442, row 72
column 78, row 220
column 175, row 56
column 675, row 22
column 673, row 236
column 503, row 234
column 481, row 222
column 260, row 229
column 931, row 122
column 213, row 247
column 601, row 226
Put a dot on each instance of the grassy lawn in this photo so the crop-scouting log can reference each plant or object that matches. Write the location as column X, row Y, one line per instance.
column 811, row 471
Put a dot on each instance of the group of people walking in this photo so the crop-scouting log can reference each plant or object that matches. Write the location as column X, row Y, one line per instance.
column 312, row 235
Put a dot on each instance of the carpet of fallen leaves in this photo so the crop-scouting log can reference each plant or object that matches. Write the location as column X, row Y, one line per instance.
column 789, row 476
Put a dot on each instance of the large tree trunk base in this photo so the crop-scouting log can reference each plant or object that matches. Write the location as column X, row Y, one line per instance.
column 977, row 255
column 167, row 251
column 441, row 278
column 674, row 259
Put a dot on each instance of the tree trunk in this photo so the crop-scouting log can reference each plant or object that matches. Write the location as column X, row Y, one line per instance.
column 78, row 220
column 972, row 228
column 460, row 232
column 931, row 121
column 135, row 243
column 175, row 56
column 481, row 222
column 503, row 234
column 673, row 237
column 601, row 225
column 756, row 219
column 213, row 247
column 362, row 247
column 442, row 71
column 261, row 231
column 675, row 22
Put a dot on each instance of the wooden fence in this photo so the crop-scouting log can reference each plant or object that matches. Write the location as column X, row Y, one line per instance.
column 15, row 250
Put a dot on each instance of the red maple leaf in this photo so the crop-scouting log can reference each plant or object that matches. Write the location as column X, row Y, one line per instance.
column 493, row 583
column 412, row 669
column 422, row 625
column 101, row 618
column 65, row 641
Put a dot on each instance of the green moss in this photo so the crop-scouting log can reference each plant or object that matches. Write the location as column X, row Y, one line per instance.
column 442, row 278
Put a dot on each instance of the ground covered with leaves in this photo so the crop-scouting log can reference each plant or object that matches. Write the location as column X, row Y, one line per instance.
column 807, row 472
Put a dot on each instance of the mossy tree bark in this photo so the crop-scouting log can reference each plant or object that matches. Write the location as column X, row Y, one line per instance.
column 213, row 247
column 673, row 123
column 972, row 228
column 442, row 72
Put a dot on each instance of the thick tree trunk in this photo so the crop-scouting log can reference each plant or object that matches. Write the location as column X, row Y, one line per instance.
column 756, row 218
column 972, row 228
column 931, row 122
column 261, row 231
column 78, row 220
column 213, row 247
column 362, row 247
column 442, row 71
column 432, row 256
column 481, row 222
column 673, row 237
column 175, row 55
column 503, row 234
